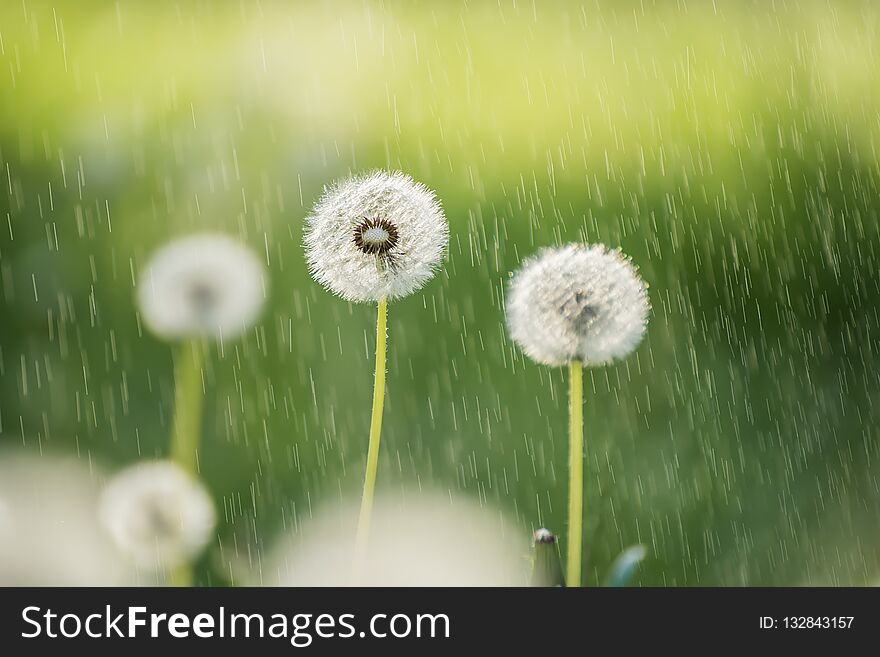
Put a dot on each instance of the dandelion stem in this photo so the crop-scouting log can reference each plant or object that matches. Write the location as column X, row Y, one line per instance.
column 575, row 472
column 187, row 424
column 363, row 529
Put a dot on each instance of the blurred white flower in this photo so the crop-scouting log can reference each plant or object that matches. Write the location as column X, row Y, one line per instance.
column 426, row 540
column 49, row 529
column 204, row 284
column 577, row 302
column 374, row 236
column 158, row 514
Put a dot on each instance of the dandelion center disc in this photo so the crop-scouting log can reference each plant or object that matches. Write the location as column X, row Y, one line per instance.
column 375, row 236
column 203, row 297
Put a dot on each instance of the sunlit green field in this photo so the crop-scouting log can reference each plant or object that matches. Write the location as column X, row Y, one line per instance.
column 731, row 148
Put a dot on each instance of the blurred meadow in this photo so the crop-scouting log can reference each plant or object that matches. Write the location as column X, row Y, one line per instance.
column 731, row 148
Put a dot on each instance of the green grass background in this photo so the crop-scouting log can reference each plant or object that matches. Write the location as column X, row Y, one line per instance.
column 731, row 148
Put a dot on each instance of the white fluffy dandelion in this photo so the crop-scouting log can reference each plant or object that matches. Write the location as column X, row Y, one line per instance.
column 580, row 305
column 204, row 284
column 158, row 514
column 577, row 302
column 377, row 236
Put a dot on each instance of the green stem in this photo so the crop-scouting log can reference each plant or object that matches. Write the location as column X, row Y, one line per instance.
column 575, row 472
column 363, row 530
column 187, row 424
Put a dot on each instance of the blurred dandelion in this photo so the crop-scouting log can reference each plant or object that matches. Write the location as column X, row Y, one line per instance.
column 50, row 534
column 201, row 285
column 423, row 541
column 373, row 238
column 158, row 514
column 580, row 305
column 197, row 287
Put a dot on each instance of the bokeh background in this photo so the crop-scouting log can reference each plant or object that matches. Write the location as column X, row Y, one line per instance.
column 731, row 148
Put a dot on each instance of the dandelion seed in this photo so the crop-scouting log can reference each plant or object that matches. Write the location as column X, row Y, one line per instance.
column 580, row 305
column 377, row 236
column 201, row 285
column 158, row 514
column 577, row 302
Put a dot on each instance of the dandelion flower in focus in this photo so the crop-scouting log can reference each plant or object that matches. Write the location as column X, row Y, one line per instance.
column 577, row 303
column 158, row 514
column 424, row 541
column 50, row 534
column 377, row 236
column 205, row 284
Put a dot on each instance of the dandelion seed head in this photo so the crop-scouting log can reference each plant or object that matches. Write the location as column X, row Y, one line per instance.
column 374, row 236
column 577, row 302
column 204, row 284
column 158, row 514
